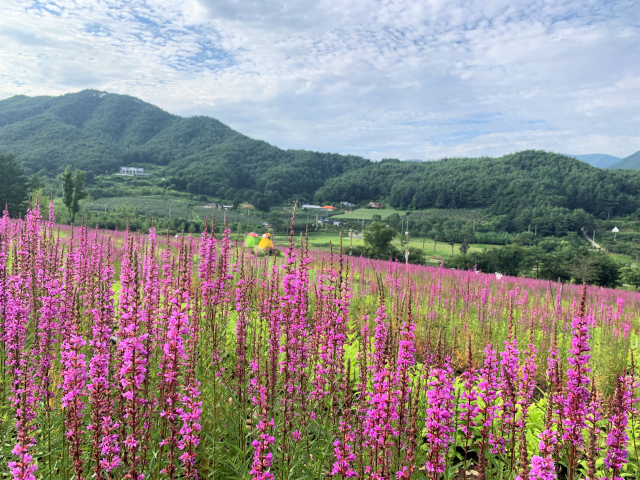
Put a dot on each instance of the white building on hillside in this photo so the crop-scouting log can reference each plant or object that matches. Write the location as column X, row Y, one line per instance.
column 132, row 171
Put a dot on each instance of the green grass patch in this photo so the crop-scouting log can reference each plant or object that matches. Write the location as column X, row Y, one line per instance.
column 368, row 213
column 321, row 240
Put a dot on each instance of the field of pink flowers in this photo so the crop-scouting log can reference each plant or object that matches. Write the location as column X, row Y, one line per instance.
column 131, row 356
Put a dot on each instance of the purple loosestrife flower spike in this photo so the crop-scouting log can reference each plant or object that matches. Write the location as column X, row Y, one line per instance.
column 618, row 438
column 105, row 447
column 487, row 394
column 577, row 396
column 439, row 419
column 469, row 408
column 542, row 466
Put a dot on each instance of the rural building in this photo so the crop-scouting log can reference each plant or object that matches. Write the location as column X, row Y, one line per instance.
column 217, row 206
column 339, row 224
column 132, row 171
column 328, row 207
column 347, row 204
column 376, row 205
column 312, row 207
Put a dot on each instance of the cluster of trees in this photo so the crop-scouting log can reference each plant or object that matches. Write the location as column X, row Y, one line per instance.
column 15, row 187
column 551, row 259
column 508, row 185
column 73, row 191
column 565, row 264
column 378, row 237
column 529, row 228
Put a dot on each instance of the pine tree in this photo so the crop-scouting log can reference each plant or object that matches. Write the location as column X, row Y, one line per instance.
column 73, row 191
column 14, row 187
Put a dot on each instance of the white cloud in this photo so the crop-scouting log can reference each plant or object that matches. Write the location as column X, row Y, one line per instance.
column 409, row 79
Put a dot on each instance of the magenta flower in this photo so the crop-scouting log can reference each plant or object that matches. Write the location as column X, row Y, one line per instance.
column 577, row 396
column 439, row 419
column 262, row 456
column 618, row 438
column 343, row 452
column 542, row 466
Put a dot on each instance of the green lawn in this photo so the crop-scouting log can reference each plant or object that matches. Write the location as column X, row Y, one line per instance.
column 320, row 241
column 368, row 213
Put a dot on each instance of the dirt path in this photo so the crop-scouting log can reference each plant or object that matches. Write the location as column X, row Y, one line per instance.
column 590, row 240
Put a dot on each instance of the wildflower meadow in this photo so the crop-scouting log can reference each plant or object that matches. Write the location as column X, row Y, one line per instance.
column 147, row 356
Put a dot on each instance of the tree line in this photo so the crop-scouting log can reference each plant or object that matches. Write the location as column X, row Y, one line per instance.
column 510, row 185
column 552, row 259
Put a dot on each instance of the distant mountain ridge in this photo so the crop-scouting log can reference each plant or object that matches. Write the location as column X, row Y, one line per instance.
column 630, row 162
column 599, row 160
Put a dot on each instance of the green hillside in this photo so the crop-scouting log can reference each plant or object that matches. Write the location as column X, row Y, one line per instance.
column 504, row 185
column 99, row 132
column 631, row 162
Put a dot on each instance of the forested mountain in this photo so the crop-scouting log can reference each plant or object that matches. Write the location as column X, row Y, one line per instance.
column 599, row 160
column 632, row 162
column 99, row 132
column 507, row 184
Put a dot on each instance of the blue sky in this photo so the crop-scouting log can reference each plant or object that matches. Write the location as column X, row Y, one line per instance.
column 413, row 79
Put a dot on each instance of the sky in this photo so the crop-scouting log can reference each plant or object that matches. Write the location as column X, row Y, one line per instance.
column 419, row 79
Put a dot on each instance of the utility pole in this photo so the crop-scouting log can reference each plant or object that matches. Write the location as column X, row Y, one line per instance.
column 406, row 251
column 351, row 236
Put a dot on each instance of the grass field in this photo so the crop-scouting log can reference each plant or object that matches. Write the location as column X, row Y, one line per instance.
column 321, row 241
column 431, row 214
column 368, row 213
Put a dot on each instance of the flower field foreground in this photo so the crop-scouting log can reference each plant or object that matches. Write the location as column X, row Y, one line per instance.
column 129, row 356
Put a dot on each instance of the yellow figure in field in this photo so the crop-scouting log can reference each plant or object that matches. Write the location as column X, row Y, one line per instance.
column 265, row 244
